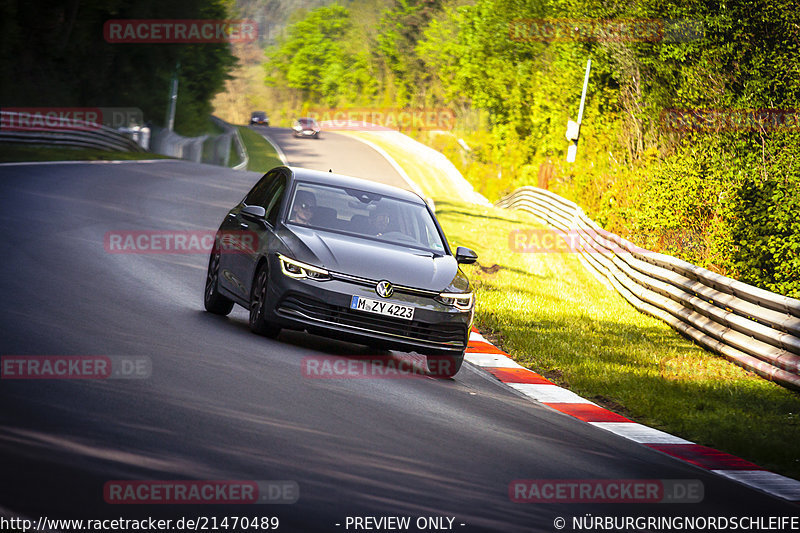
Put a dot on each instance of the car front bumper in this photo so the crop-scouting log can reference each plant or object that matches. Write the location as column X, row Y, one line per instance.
column 323, row 307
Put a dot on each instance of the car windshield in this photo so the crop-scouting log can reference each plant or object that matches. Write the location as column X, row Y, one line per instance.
column 365, row 214
column 307, row 122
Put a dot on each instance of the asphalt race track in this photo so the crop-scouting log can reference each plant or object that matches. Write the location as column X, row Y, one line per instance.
column 336, row 152
column 223, row 404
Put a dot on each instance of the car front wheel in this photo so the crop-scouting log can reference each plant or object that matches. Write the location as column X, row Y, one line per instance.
column 258, row 301
column 213, row 300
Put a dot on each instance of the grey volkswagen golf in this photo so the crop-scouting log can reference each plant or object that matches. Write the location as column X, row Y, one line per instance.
column 345, row 258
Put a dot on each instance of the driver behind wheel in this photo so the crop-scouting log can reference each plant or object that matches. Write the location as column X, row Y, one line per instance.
column 379, row 221
column 303, row 209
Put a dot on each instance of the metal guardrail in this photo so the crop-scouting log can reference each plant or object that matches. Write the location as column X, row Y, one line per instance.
column 756, row 329
column 223, row 144
column 171, row 144
column 244, row 159
column 214, row 150
column 64, row 132
column 17, row 127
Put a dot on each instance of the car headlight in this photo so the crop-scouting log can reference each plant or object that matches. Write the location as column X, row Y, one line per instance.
column 296, row 269
column 460, row 300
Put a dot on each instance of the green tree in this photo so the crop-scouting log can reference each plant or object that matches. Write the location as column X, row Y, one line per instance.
column 56, row 55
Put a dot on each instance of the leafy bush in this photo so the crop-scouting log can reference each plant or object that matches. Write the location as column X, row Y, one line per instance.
column 724, row 199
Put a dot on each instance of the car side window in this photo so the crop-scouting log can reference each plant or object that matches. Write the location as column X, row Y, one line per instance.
column 274, row 197
column 258, row 195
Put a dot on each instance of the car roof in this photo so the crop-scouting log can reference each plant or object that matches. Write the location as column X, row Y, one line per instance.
column 329, row 178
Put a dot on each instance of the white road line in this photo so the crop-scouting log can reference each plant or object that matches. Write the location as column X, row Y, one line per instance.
column 281, row 155
column 770, row 482
column 639, row 433
column 491, row 360
column 477, row 337
column 411, row 183
column 548, row 393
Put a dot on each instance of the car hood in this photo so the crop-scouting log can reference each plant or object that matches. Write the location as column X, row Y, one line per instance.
column 375, row 260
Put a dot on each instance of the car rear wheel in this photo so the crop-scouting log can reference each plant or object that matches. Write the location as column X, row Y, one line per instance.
column 258, row 301
column 444, row 366
column 213, row 300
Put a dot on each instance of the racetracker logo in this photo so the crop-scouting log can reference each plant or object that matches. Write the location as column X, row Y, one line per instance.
column 75, row 367
column 606, row 491
column 179, row 242
column 179, row 31
column 399, row 366
column 719, row 120
column 600, row 30
column 201, row 492
column 68, row 118
column 549, row 241
column 383, row 119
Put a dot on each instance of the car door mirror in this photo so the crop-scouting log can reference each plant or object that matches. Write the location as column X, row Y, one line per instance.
column 254, row 211
column 465, row 256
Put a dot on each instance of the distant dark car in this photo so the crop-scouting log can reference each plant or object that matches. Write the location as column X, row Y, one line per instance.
column 259, row 118
column 345, row 258
column 305, row 127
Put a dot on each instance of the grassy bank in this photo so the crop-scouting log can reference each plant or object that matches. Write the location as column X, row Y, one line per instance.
column 262, row 155
column 553, row 317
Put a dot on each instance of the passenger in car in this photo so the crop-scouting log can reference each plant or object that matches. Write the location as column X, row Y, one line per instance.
column 379, row 221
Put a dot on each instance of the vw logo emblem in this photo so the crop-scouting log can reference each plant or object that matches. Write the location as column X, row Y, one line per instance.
column 384, row 289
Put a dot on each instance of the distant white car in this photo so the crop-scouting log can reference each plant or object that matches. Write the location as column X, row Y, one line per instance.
column 306, row 127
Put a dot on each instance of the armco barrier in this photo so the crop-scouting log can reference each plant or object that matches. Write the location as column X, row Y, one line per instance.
column 69, row 132
column 222, row 145
column 82, row 134
column 757, row 329
column 169, row 143
column 214, row 150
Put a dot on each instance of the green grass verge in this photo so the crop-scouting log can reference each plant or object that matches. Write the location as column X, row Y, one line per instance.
column 432, row 181
column 553, row 317
column 262, row 154
column 11, row 152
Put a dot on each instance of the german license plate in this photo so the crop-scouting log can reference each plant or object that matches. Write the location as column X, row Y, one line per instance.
column 382, row 308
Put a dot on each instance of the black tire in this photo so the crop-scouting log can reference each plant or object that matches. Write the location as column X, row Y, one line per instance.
column 444, row 366
column 213, row 300
column 257, row 301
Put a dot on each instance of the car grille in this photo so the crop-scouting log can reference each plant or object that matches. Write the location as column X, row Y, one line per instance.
column 445, row 333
